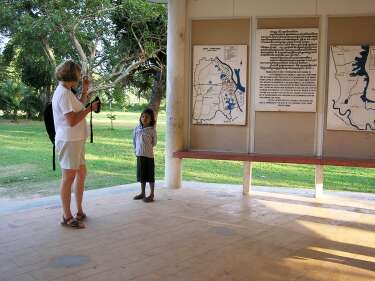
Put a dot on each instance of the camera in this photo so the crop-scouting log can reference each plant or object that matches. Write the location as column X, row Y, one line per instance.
column 99, row 104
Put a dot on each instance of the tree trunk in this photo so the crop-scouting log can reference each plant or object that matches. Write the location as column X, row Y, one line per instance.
column 15, row 115
column 158, row 89
column 49, row 52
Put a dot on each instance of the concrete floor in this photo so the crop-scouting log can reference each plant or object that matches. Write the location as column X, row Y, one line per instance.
column 201, row 232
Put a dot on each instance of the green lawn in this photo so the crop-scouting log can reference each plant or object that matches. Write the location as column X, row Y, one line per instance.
column 25, row 166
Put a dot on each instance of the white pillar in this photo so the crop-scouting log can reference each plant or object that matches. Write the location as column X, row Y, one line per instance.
column 321, row 97
column 247, row 171
column 319, row 177
column 321, row 94
column 174, row 138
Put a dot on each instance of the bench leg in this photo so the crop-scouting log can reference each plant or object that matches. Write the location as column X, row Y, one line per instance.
column 247, row 166
column 319, row 177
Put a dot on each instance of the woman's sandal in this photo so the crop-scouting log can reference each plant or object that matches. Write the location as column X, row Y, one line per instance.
column 72, row 222
column 81, row 216
column 139, row 197
column 148, row 199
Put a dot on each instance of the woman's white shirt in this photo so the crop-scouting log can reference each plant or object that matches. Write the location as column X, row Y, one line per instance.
column 63, row 102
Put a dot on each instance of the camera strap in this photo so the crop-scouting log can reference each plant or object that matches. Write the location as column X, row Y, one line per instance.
column 91, row 132
column 53, row 157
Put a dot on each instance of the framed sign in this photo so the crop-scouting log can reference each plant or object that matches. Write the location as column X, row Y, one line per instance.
column 219, row 85
column 286, row 69
column 351, row 88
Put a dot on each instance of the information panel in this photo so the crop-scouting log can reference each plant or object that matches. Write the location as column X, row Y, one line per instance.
column 351, row 91
column 219, row 84
column 287, row 69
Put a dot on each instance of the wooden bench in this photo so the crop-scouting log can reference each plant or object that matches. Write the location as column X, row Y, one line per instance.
column 248, row 158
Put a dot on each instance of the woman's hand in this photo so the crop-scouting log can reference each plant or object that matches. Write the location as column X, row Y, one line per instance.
column 73, row 118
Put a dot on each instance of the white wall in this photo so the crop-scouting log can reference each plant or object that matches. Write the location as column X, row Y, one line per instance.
column 269, row 8
column 255, row 9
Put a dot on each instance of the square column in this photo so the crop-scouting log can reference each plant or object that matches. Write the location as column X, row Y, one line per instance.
column 247, row 171
column 176, row 73
column 319, row 177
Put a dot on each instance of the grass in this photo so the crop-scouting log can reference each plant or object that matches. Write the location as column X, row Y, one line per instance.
column 26, row 170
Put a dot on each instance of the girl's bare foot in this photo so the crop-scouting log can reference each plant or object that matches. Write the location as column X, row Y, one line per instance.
column 149, row 199
column 139, row 197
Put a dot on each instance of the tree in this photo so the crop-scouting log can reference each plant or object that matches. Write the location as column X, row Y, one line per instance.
column 11, row 96
column 26, row 66
column 25, row 54
column 115, row 41
column 141, row 28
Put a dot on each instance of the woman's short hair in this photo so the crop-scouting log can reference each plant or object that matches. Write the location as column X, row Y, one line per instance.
column 150, row 113
column 68, row 71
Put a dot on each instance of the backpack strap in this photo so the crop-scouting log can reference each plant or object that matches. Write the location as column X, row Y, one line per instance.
column 91, row 131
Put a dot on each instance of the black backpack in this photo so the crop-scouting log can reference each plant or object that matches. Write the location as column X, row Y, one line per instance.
column 50, row 127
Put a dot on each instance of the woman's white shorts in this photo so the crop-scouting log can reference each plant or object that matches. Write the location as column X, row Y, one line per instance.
column 71, row 154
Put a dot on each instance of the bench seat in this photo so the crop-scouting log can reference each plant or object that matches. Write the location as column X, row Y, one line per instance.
column 248, row 158
column 291, row 159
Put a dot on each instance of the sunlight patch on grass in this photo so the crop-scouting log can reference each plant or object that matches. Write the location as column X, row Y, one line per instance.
column 108, row 173
column 111, row 141
column 110, row 159
column 17, row 169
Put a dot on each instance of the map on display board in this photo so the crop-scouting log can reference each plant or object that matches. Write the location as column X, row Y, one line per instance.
column 219, row 85
column 351, row 90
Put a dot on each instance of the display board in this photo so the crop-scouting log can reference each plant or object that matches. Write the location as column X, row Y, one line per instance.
column 220, row 137
column 219, row 84
column 286, row 69
column 285, row 132
column 347, row 31
column 351, row 90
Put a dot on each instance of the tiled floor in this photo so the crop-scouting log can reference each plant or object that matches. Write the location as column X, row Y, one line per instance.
column 200, row 232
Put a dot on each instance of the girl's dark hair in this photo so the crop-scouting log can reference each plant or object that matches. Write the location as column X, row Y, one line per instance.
column 150, row 113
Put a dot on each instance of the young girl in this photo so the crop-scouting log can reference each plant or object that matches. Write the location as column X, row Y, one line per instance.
column 144, row 140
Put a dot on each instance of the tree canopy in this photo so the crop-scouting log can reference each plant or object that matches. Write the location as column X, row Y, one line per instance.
column 118, row 43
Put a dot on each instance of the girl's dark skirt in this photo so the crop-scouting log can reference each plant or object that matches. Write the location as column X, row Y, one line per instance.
column 145, row 169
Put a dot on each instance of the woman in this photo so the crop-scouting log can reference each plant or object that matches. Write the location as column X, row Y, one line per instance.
column 69, row 115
